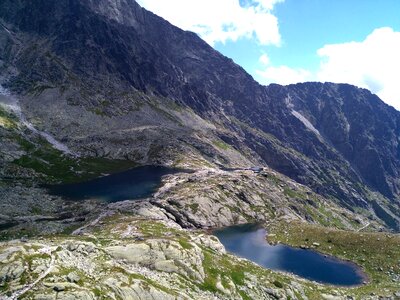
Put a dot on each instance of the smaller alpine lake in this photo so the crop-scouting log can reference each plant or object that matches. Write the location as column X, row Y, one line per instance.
column 248, row 241
column 133, row 184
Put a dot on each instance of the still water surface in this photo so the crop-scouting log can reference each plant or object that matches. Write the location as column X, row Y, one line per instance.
column 249, row 241
column 137, row 183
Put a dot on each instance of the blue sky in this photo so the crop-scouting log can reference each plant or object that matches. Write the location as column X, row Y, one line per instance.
column 308, row 25
column 288, row 41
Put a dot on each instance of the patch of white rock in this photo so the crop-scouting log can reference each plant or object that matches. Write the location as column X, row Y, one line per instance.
column 10, row 103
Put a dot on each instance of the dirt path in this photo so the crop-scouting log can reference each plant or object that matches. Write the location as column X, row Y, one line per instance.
column 16, row 295
column 365, row 226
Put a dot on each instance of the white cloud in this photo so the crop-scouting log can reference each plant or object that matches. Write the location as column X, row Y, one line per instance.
column 268, row 4
column 282, row 75
column 264, row 59
column 222, row 20
column 373, row 64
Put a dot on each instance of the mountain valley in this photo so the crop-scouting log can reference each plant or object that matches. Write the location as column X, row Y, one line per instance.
column 87, row 91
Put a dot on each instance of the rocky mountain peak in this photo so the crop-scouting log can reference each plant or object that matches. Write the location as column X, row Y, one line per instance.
column 136, row 70
column 96, row 87
column 125, row 12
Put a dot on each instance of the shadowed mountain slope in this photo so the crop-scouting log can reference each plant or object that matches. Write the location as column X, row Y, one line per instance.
column 111, row 79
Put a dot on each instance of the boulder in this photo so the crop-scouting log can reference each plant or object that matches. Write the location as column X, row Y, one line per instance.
column 73, row 277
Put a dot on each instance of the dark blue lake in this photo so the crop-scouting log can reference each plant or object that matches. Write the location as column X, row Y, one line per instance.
column 137, row 183
column 248, row 241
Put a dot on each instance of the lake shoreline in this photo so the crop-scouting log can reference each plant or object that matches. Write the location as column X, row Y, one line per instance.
column 359, row 273
column 132, row 184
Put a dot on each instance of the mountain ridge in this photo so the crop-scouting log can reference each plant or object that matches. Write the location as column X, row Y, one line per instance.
column 86, row 52
column 90, row 88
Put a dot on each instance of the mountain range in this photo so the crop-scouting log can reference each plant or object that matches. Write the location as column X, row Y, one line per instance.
column 110, row 80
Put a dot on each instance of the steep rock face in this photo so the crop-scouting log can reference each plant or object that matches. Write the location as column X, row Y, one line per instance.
column 91, row 54
column 359, row 125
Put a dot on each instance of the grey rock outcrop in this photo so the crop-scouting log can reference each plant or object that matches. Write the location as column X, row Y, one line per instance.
column 174, row 98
